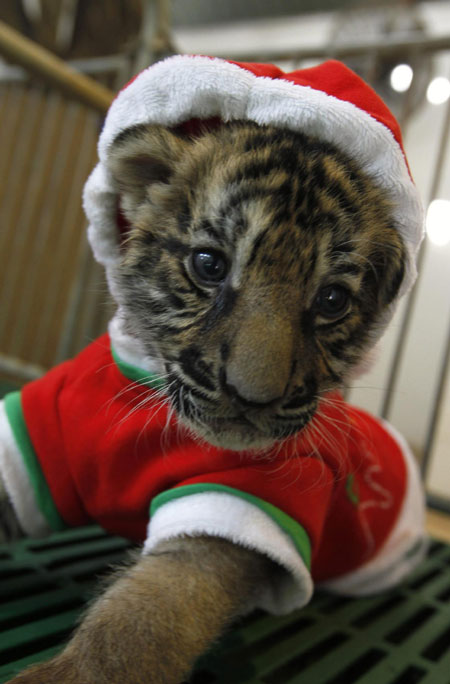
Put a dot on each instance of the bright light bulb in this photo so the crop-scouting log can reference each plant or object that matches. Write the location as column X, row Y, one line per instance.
column 401, row 77
column 438, row 222
column 438, row 90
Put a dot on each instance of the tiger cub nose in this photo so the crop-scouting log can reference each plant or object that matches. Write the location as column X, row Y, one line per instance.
column 237, row 398
column 259, row 366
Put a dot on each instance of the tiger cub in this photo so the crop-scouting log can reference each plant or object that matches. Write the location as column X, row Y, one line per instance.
column 256, row 270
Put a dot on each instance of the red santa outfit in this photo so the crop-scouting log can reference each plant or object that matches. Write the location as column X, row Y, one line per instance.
column 100, row 448
column 340, row 503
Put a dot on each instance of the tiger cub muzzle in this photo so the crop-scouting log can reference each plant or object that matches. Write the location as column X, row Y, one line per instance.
column 257, row 390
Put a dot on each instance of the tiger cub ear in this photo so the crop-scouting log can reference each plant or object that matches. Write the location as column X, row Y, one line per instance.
column 387, row 267
column 141, row 157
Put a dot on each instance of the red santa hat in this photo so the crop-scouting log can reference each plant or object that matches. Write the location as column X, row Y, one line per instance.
column 328, row 101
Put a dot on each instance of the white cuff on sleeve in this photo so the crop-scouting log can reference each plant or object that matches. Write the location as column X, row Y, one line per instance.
column 17, row 483
column 223, row 515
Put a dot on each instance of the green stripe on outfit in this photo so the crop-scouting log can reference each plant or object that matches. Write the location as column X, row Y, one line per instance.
column 293, row 529
column 45, row 503
column 137, row 374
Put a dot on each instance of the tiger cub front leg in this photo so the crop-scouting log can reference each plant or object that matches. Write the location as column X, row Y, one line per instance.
column 153, row 622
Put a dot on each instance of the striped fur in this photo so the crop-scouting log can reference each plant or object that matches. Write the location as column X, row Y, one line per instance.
column 295, row 224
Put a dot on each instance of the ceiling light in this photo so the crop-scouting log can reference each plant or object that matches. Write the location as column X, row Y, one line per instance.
column 401, row 77
column 438, row 222
column 438, row 91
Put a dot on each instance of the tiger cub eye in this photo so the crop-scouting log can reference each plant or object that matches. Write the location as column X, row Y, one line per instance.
column 209, row 265
column 332, row 302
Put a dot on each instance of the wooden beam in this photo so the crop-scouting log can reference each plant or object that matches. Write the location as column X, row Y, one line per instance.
column 43, row 63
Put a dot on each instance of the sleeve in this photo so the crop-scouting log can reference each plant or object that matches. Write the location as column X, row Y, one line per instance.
column 21, row 474
column 350, row 520
column 405, row 546
column 32, row 455
column 223, row 514
column 267, row 507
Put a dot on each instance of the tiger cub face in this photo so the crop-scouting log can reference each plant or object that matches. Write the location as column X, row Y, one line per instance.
column 258, row 265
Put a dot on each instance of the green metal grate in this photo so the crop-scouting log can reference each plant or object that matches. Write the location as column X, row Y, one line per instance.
column 402, row 637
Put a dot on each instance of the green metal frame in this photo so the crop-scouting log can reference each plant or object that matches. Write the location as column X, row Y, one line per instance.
column 400, row 637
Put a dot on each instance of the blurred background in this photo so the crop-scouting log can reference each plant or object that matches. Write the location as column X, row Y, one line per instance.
column 60, row 63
